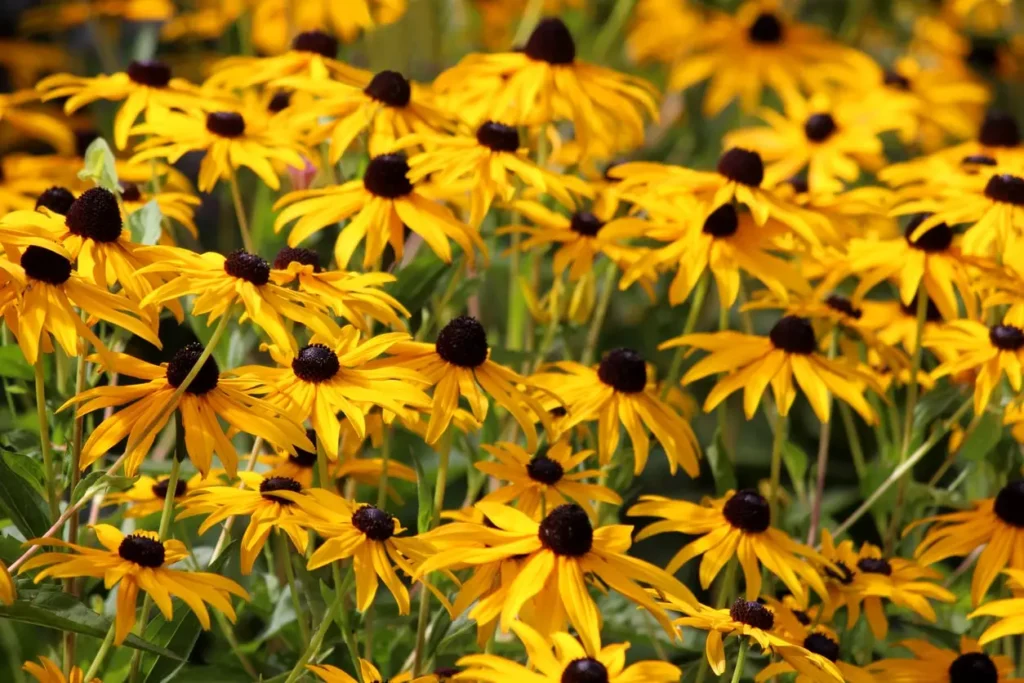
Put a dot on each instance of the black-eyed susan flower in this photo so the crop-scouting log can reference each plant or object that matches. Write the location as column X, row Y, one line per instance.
column 267, row 512
column 240, row 278
column 933, row 664
column 357, row 297
column 301, row 465
column 230, row 139
column 19, row 233
column 387, row 106
column 557, row 553
column 1009, row 612
column 210, row 396
column 895, row 323
column 995, row 523
column 368, row 673
column 790, row 351
column 148, row 494
column 37, row 125
column 736, row 525
column 138, row 561
column 618, row 393
column 546, row 82
column 177, row 205
column 754, row 622
column 312, row 55
column 560, row 658
column 380, row 206
column 992, row 351
column 823, row 644
column 544, row 480
column 46, row 671
column 272, row 19
column 43, row 293
column 144, row 88
column 363, row 532
column 7, row 589
column 458, row 364
column 661, row 30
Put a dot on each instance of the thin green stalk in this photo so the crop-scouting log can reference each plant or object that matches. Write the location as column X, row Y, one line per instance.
column 101, row 654
column 243, row 221
column 545, row 343
column 531, row 15
column 776, row 468
column 229, row 635
column 676, row 369
column 951, row 457
column 853, row 437
column 289, row 572
column 822, row 466
column 597, row 322
column 385, row 457
column 71, row 585
column 439, row 490
column 611, row 29
column 44, row 440
column 516, row 301
column 317, row 639
column 741, row 659
column 4, row 341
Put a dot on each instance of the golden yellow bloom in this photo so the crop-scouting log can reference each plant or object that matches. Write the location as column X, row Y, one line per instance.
column 26, row 61
column 147, row 494
column 1008, row 611
column 178, row 206
column 822, row 643
column 663, row 30
column 133, row 562
column 64, row 15
column 368, row 674
column 312, row 55
column 7, row 590
column 48, row 672
column 272, row 20
column 931, row 663
column 993, row 351
column 35, row 124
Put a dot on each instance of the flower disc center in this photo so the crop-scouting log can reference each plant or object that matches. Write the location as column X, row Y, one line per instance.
column 585, row 670
column 498, row 137
column 623, row 370
column 841, row 573
column 544, row 470
column 766, row 29
column 999, row 130
column 316, row 363
column 226, row 124
column 1009, row 505
column 1005, row 188
column 551, row 42
column 316, row 42
column 897, row 81
column 875, row 565
column 585, row 223
column 936, row 239
column 304, row 459
column 271, row 484
column 567, row 531
column 149, row 72
column 45, row 265
column 390, row 88
column 820, row 644
column 95, row 215
column 742, row 166
column 819, row 127
column 161, row 487
column 386, row 176
column 130, row 192
column 722, row 222
column 1006, row 337
column 182, row 363
column 752, row 613
column 249, row 267
column 56, row 199
column 793, row 334
column 142, row 550
column 844, row 306
column 748, row 510
column 374, row 522
column 973, row 667
column 306, row 257
column 463, row 342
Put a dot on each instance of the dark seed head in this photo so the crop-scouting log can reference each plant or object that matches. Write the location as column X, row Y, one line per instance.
column 819, row 127
column 937, row 239
column 142, row 550
column 748, row 510
column 130, row 192
column 463, row 342
column 802, row 617
column 752, row 613
column 182, row 363
column 316, row 363
column 793, row 334
column 45, row 265
column 306, row 257
column 551, row 42
column 56, row 199
column 766, row 29
column 567, row 531
column 303, row 458
column 799, row 185
column 984, row 54
column 932, row 315
column 585, row 223
column 820, row 644
column 558, row 411
column 1006, row 337
column 316, row 42
column 390, row 88
column 585, row 671
column 999, row 130
column 722, row 222
column 271, row 484
column 1009, row 505
column 875, row 565
column 279, row 102
column 446, row 672
column 973, row 667
column 897, row 81
column 844, row 306
column 249, row 267
column 150, row 72
column 227, row 124
column 623, row 370
column 161, row 487
column 374, row 522
column 1005, row 188
column 386, row 176
column 978, row 160
column 498, row 137
column 743, row 166
column 544, row 470
column 841, row 573
column 95, row 216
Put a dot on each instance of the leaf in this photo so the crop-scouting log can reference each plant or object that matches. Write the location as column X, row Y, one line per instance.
column 721, row 467
column 20, row 502
column 423, row 497
column 980, row 442
column 30, row 469
column 417, row 281
column 99, row 482
column 439, row 626
column 796, row 464
column 53, row 608
column 13, row 363
column 145, row 224
column 100, row 166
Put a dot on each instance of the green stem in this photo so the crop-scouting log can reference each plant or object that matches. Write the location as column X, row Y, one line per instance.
column 229, row 635
column 676, row 369
column 44, row 440
column 101, row 654
column 516, row 301
column 385, row 457
column 243, row 222
column 822, row 466
column 856, row 449
column 531, row 15
column 608, row 286
column 439, row 490
column 951, row 458
column 776, row 468
column 317, row 639
column 611, row 29
column 741, row 659
column 289, row 572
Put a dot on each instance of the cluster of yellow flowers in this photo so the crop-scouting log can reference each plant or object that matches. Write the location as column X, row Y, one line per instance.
column 863, row 246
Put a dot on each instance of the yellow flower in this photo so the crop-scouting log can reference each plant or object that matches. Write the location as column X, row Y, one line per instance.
column 272, row 20
column 1008, row 611
column 48, row 672
column 823, row 644
column 133, row 562
column 664, row 30
column 7, row 590
column 178, row 206
column 932, row 663
column 368, row 674
column 64, row 15
column 311, row 55
column 147, row 494
column 738, row 524
column 35, row 124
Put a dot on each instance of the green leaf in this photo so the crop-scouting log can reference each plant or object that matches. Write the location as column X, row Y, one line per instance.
column 145, row 224
column 21, row 503
column 30, row 469
column 721, row 468
column 100, row 166
column 53, row 608
column 439, row 626
column 423, row 496
column 13, row 363
column 99, row 482
column 980, row 442
column 417, row 281
column 796, row 464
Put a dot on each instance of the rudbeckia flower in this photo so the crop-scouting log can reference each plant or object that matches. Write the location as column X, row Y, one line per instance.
column 43, row 293
column 219, row 283
column 7, row 589
column 822, row 643
column 619, row 392
column 312, row 55
column 738, row 524
column 356, row 297
column 380, row 205
column 368, row 673
column 20, row 233
column 459, row 364
column 895, row 323
column 210, row 396
column 560, row 658
column 557, row 554
column 1009, row 612
column 760, row 46
column 147, row 494
column 333, row 375
column 145, row 88
column 387, row 106
column 930, row 663
column 367, row 534
column 545, row 82
column 301, row 465
column 790, row 350
column 267, row 512
column 178, row 206
column 272, row 19
column 48, row 672
column 992, row 351
column 755, row 622
column 138, row 561
column 663, row 30
column 995, row 523
column 37, row 125
column 230, row 139
column 543, row 481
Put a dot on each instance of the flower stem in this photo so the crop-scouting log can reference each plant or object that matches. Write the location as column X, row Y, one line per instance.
column 44, row 440
column 741, row 659
column 611, row 29
column 385, row 457
column 289, row 572
column 101, row 654
column 607, row 286
column 439, row 490
column 823, row 440
column 776, row 469
column 856, row 449
column 676, row 369
column 317, row 639
column 243, row 222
